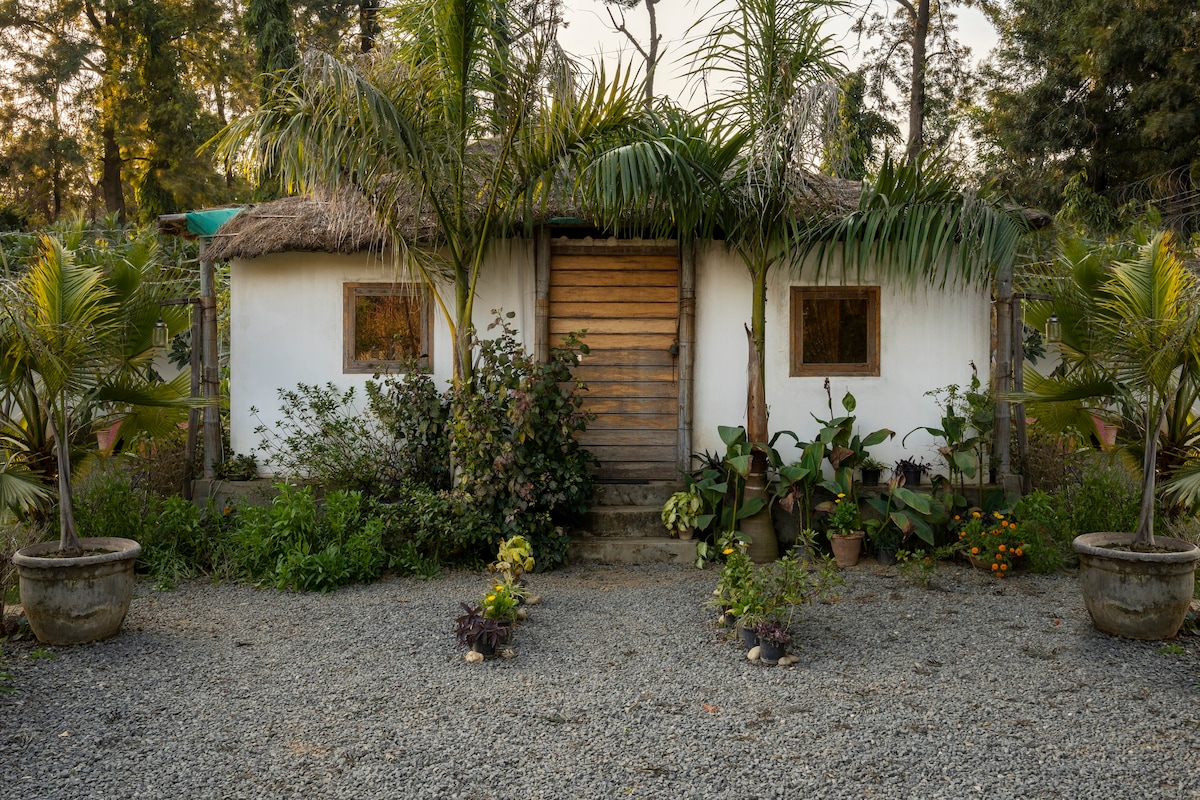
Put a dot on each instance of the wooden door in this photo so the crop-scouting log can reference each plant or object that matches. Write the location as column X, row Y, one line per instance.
column 629, row 304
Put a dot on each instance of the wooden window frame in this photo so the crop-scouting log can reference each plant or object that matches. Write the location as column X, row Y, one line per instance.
column 350, row 293
column 869, row 368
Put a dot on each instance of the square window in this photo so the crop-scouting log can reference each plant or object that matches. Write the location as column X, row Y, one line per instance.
column 835, row 331
column 386, row 327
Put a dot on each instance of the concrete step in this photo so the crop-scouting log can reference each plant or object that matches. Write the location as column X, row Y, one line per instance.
column 631, row 550
column 623, row 521
column 636, row 494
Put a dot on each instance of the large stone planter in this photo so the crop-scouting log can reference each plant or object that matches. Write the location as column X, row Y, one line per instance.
column 1137, row 595
column 79, row 599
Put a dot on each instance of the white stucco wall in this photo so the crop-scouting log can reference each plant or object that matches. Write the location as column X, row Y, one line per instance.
column 928, row 338
column 287, row 328
column 286, row 323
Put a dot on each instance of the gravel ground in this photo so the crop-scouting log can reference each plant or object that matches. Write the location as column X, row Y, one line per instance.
column 622, row 687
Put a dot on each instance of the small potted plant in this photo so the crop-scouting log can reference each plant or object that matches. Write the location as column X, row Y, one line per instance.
column 477, row 631
column 871, row 469
column 911, row 469
column 773, row 639
column 681, row 512
column 500, row 604
column 844, row 529
column 992, row 542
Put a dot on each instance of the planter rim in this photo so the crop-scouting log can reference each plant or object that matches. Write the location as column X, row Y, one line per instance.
column 106, row 549
column 851, row 535
column 1096, row 545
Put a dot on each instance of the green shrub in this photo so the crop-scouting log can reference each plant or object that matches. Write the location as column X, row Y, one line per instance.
column 1105, row 498
column 514, row 442
column 427, row 529
column 299, row 545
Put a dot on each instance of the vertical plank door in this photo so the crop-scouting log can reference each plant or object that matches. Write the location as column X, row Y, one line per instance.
column 629, row 305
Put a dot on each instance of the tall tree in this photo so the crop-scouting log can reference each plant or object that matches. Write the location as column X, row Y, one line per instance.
column 918, row 60
column 1103, row 87
column 649, row 51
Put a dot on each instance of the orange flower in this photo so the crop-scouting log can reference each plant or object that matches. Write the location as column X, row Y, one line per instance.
column 995, row 566
column 974, row 551
column 1004, row 566
column 1002, row 548
column 1019, row 552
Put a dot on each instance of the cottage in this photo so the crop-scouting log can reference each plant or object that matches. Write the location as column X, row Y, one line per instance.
column 312, row 281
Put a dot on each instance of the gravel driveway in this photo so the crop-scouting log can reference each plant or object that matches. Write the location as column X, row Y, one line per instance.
column 622, row 687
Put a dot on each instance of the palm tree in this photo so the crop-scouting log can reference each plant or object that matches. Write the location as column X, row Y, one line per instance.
column 746, row 168
column 1131, row 340
column 76, row 333
column 470, row 118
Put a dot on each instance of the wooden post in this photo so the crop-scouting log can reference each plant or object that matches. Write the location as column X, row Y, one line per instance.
column 687, row 337
column 189, row 452
column 211, row 379
column 541, row 314
column 1002, row 377
column 1018, row 409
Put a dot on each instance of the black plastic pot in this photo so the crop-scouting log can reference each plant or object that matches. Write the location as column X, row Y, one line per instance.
column 870, row 477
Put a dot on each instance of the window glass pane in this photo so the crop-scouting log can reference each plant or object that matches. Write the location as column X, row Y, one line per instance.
column 387, row 327
column 835, row 330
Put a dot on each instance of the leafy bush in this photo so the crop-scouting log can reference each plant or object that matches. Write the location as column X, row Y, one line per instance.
column 514, row 442
column 324, row 436
column 1106, row 497
column 300, row 545
column 428, row 528
column 416, row 417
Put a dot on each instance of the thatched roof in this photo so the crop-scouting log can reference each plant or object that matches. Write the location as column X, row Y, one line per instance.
column 345, row 222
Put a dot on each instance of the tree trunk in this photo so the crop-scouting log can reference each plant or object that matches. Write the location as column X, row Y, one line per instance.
column 368, row 24
column 652, row 53
column 110, row 176
column 68, row 539
column 1143, row 538
column 916, row 95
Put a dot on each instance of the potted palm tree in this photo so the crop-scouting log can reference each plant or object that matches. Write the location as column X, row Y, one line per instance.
column 1131, row 341
column 76, row 345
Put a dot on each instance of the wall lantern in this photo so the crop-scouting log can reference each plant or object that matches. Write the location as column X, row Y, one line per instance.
column 160, row 335
column 1053, row 330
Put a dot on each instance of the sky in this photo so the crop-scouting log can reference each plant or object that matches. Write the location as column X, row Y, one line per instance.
column 589, row 34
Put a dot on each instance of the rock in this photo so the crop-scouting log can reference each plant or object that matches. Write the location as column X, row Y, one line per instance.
column 787, row 661
column 474, row 658
column 522, row 615
column 507, row 652
column 753, row 652
column 532, row 599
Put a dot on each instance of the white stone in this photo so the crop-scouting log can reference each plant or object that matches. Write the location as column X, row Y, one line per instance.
column 474, row 658
column 753, row 652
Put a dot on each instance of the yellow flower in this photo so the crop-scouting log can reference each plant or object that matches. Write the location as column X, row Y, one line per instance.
column 976, row 514
column 727, row 550
column 491, row 598
column 841, row 495
column 499, row 586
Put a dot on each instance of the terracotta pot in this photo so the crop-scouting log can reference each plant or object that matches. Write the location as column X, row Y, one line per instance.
column 1137, row 595
column 79, row 599
column 847, row 547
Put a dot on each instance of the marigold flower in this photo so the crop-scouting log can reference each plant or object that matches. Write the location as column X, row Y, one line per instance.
column 1004, row 566
column 1002, row 548
column 995, row 566
column 957, row 517
column 962, row 534
column 974, row 551
column 997, row 515
column 1019, row 552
